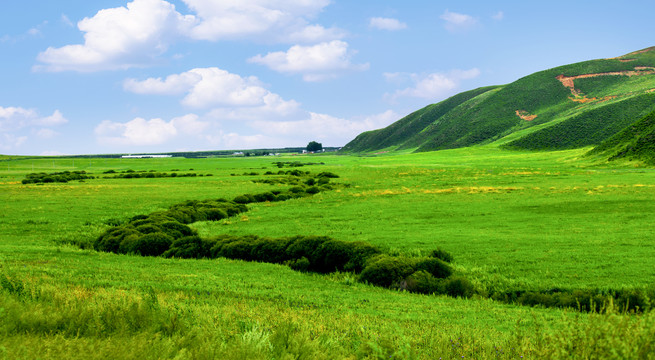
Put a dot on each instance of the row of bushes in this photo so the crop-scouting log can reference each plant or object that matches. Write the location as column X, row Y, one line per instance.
column 152, row 175
column 152, row 235
column 319, row 254
column 592, row 300
column 281, row 164
column 59, row 177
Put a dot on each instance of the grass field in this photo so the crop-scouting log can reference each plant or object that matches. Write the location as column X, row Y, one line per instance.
column 512, row 220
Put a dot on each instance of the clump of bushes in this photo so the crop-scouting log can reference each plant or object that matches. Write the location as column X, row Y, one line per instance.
column 131, row 174
column 56, row 177
column 589, row 300
column 281, row 164
column 153, row 235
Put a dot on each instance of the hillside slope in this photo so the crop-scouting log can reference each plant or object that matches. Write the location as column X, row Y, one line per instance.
column 566, row 107
column 636, row 142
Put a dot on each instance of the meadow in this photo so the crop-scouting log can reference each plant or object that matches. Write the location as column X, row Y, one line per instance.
column 513, row 221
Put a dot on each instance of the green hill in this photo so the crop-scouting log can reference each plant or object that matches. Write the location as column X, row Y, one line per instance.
column 570, row 106
column 635, row 142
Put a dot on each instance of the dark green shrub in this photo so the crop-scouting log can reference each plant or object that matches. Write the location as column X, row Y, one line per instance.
column 111, row 239
column 128, row 244
column 263, row 197
column 442, row 255
column 152, row 244
column 282, row 197
column 176, row 226
column 190, row 247
column 360, row 253
column 244, row 199
column 236, row 250
column 434, row 266
column 138, row 217
column 335, row 255
column 312, row 190
column 327, row 174
column 215, row 214
column 271, row 250
column 148, row 229
column 181, row 215
column 306, row 246
column 297, row 189
column 386, row 271
column 301, row 264
column 423, row 282
column 633, row 300
column 458, row 287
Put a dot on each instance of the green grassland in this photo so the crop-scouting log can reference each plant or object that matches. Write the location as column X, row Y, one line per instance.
column 512, row 220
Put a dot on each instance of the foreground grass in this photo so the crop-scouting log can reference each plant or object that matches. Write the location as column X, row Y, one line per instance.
column 534, row 220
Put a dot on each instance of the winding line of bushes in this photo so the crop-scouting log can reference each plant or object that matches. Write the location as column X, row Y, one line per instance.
column 56, row 177
column 167, row 234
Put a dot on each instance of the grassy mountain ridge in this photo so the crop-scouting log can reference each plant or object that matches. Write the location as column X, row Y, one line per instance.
column 635, row 142
column 566, row 107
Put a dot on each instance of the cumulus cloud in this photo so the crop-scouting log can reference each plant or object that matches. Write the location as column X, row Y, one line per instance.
column 386, row 24
column 207, row 87
column 455, row 22
column 431, row 86
column 137, row 34
column 120, row 38
column 318, row 62
column 140, row 132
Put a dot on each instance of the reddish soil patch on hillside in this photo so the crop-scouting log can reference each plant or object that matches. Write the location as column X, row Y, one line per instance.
column 569, row 81
column 524, row 115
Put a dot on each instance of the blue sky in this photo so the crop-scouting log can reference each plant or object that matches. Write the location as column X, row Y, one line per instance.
column 117, row 76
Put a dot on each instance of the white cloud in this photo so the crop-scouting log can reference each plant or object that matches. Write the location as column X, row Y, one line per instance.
column 53, row 120
column 207, row 87
column 432, row 86
column 138, row 132
column 142, row 132
column 137, row 34
column 260, row 20
column 317, row 62
column 324, row 127
column 498, row 16
column 189, row 124
column 15, row 118
column 120, row 38
column 386, row 24
column 457, row 22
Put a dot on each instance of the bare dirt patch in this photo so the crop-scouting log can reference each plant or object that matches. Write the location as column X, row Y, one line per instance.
column 524, row 115
column 578, row 96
